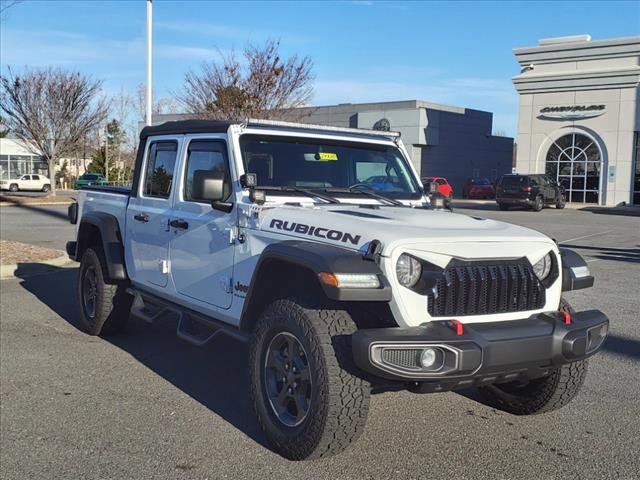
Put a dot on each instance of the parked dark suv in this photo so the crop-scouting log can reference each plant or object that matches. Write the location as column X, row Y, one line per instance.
column 531, row 191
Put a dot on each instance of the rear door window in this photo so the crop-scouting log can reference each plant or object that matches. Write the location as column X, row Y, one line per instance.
column 161, row 161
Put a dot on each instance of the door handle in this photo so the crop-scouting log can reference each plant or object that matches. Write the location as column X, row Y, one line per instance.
column 179, row 223
column 141, row 217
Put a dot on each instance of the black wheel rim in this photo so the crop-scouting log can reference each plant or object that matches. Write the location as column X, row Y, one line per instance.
column 287, row 379
column 89, row 291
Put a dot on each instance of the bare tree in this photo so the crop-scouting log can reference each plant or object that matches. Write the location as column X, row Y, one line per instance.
column 160, row 105
column 261, row 85
column 52, row 110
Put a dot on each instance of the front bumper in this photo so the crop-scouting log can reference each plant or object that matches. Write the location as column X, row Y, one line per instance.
column 480, row 353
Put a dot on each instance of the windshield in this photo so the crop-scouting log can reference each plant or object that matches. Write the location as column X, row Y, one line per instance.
column 316, row 164
column 89, row 177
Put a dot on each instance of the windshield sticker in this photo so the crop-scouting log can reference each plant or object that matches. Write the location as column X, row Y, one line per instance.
column 321, row 157
column 319, row 232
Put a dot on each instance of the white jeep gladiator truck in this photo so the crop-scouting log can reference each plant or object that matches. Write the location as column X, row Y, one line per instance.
column 319, row 247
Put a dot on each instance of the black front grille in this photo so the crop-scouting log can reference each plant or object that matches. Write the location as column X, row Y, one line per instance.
column 480, row 289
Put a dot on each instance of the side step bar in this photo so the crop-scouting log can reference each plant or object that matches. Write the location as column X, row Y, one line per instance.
column 193, row 327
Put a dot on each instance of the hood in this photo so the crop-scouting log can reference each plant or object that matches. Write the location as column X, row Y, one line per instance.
column 354, row 227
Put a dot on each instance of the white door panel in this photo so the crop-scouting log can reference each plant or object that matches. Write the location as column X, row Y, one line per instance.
column 202, row 250
column 202, row 254
column 148, row 234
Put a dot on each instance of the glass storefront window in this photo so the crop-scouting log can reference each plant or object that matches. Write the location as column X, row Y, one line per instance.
column 14, row 166
column 574, row 161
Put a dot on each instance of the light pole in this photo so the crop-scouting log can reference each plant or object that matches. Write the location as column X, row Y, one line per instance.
column 148, row 116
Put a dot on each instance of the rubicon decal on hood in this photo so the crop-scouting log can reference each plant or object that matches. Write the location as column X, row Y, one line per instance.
column 313, row 231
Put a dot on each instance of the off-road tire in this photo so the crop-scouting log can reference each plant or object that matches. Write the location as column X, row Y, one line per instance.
column 538, row 204
column 502, row 206
column 112, row 303
column 46, row 188
column 339, row 400
column 543, row 394
column 13, row 187
column 561, row 202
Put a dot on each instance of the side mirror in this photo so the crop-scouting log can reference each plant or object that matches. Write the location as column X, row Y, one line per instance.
column 208, row 185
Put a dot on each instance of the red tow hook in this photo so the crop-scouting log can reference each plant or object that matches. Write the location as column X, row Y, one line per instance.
column 567, row 317
column 458, row 327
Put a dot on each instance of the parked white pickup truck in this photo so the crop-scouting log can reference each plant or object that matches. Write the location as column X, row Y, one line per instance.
column 26, row 182
column 319, row 246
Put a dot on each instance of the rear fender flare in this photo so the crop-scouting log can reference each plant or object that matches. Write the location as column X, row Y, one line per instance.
column 111, row 241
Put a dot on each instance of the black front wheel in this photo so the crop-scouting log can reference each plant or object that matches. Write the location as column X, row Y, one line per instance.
column 104, row 307
column 538, row 204
column 561, row 201
column 540, row 395
column 46, row 188
column 306, row 398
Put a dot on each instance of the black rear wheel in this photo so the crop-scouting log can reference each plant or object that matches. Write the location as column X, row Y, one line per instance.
column 561, row 201
column 104, row 307
column 538, row 204
column 13, row 187
column 502, row 206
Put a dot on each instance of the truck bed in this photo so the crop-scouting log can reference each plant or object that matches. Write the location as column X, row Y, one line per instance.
column 108, row 189
column 106, row 199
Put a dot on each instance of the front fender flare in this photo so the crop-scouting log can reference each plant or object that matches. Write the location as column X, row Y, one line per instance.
column 318, row 257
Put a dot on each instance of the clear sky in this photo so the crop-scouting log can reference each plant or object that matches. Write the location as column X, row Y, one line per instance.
column 458, row 53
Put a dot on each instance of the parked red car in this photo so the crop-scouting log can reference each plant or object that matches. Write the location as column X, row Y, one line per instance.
column 478, row 188
column 444, row 187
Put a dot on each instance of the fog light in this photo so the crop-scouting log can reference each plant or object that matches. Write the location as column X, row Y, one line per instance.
column 428, row 357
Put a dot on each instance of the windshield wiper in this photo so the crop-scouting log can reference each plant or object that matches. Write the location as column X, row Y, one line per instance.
column 309, row 193
column 370, row 193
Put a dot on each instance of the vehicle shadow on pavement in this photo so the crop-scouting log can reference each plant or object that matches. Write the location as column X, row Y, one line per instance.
column 610, row 253
column 625, row 211
column 45, row 210
column 216, row 375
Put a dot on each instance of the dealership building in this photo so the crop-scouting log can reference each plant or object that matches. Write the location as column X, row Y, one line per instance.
column 579, row 117
column 443, row 140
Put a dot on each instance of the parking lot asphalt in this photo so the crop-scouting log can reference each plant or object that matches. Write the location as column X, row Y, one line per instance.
column 145, row 405
column 42, row 225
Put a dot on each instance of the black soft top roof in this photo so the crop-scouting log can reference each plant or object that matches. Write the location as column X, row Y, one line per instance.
column 187, row 126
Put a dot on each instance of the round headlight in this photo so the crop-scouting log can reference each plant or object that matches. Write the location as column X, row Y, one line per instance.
column 408, row 270
column 543, row 267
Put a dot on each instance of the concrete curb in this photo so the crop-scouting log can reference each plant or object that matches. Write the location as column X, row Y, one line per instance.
column 9, row 271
